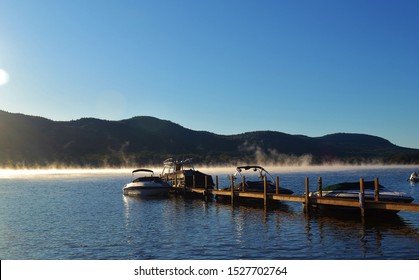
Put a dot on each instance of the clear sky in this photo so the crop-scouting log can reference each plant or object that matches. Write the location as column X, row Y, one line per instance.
column 224, row 66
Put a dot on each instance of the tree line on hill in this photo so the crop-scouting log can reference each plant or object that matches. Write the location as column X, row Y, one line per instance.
column 30, row 141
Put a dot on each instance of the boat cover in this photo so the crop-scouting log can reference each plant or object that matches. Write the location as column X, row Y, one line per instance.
column 346, row 186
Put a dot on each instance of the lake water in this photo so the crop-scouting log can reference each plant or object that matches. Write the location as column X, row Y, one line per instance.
column 83, row 215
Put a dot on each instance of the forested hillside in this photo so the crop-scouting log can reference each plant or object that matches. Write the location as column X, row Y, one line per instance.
column 35, row 141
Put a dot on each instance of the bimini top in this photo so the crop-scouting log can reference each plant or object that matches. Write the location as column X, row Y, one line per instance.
column 262, row 171
column 143, row 170
column 247, row 167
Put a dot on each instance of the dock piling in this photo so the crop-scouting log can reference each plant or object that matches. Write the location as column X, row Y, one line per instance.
column 362, row 196
column 376, row 191
column 232, row 190
column 265, row 192
column 206, row 189
column 307, row 198
column 320, row 186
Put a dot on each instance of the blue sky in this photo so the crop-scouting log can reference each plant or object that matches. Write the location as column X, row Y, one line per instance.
column 228, row 67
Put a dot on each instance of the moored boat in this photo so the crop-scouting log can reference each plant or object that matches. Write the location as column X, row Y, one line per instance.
column 351, row 190
column 182, row 174
column 146, row 185
column 251, row 179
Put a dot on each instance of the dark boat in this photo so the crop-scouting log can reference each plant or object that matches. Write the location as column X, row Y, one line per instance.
column 182, row 174
column 351, row 190
column 251, row 179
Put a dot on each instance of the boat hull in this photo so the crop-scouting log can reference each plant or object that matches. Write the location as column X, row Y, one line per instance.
column 146, row 190
column 386, row 196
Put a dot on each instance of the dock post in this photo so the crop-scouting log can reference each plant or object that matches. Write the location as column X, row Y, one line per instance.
column 320, row 186
column 376, row 191
column 307, row 198
column 216, row 182
column 361, row 196
column 277, row 185
column 184, row 184
column 265, row 192
column 243, row 184
column 232, row 190
column 206, row 189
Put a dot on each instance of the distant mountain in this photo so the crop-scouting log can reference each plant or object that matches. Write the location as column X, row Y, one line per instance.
column 35, row 141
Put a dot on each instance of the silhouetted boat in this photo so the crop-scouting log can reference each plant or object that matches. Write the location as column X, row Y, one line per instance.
column 251, row 180
column 146, row 185
column 182, row 174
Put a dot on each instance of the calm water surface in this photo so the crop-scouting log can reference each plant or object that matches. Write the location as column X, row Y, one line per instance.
column 85, row 216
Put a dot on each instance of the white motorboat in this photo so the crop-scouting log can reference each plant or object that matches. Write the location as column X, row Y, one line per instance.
column 146, row 184
column 352, row 190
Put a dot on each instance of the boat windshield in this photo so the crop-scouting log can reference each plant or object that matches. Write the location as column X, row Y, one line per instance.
column 170, row 165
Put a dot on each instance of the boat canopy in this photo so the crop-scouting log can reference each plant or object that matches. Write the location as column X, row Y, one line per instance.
column 247, row 167
column 142, row 170
column 262, row 171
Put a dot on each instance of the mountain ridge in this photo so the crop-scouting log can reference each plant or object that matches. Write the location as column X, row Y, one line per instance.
column 37, row 141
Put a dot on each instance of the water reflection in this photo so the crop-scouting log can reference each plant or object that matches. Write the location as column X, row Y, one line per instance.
column 258, row 233
column 365, row 235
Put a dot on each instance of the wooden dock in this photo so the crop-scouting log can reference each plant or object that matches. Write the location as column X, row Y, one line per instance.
column 306, row 200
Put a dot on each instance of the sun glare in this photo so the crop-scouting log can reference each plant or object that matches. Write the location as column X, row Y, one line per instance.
column 4, row 77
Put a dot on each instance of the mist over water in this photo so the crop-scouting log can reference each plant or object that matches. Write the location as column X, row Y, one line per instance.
column 295, row 166
column 213, row 170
